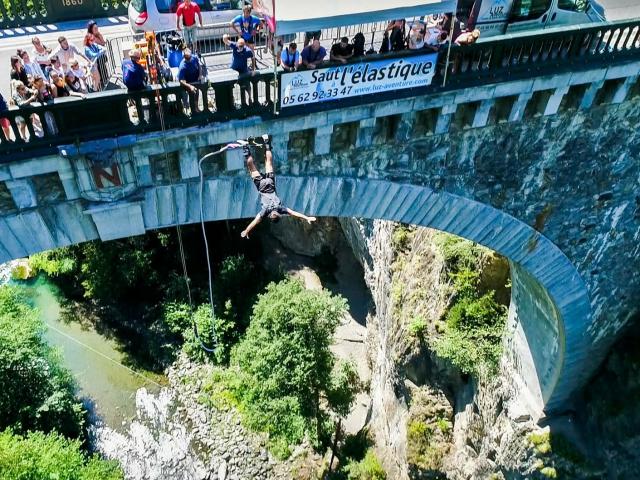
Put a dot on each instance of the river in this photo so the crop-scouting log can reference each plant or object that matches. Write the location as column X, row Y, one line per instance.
column 106, row 386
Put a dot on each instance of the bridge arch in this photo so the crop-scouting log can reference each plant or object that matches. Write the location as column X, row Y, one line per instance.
column 550, row 309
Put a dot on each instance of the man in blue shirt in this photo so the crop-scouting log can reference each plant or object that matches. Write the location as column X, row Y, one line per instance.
column 134, row 75
column 188, row 74
column 241, row 53
column 313, row 55
column 290, row 57
column 249, row 26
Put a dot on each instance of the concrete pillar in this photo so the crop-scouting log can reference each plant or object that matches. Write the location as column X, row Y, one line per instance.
column 188, row 160
column 23, row 193
column 554, row 100
column 406, row 125
column 444, row 119
column 519, row 106
column 69, row 183
column 365, row 132
column 623, row 90
column 482, row 113
column 322, row 145
column 590, row 94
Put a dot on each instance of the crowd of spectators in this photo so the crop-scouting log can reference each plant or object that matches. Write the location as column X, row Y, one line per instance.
column 42, row 73
column 395, row 39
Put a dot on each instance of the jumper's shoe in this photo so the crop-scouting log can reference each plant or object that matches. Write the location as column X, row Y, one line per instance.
column 266, row 139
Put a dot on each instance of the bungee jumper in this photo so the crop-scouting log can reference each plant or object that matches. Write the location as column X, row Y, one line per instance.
column 272, row 206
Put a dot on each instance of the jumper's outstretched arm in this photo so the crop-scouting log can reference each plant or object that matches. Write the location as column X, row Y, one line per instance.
column 251, row 226
column 293, row 213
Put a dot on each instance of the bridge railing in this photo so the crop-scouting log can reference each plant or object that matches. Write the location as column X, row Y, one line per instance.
column 566, row 49
column 118, row 112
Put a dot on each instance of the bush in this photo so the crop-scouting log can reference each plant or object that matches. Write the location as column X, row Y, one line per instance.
column 369, row 468
column 418, row 327
column 472, row 339
column 36, row 392
column 286, row 368
column 40, row 456
column 474, row 323
column 53, row 262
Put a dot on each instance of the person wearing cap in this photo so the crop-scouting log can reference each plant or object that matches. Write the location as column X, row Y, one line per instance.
column 341, row 51
column 134, row 76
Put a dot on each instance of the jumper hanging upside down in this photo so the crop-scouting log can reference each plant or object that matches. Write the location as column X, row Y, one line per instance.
column 266, row 184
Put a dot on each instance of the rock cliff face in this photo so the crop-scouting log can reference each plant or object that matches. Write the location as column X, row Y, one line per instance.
column 411, row 388
column 480, row 434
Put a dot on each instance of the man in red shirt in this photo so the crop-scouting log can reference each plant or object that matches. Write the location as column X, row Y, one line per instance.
column 188, row 10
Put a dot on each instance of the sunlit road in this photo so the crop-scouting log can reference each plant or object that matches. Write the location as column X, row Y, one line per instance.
column 621, row 9
column 9, row 44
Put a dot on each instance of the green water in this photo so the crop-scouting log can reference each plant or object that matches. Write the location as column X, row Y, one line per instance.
column 93, row 359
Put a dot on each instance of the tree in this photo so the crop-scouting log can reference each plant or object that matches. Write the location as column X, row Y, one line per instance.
column 288, row 365
column 50, row 456
column 36, row 392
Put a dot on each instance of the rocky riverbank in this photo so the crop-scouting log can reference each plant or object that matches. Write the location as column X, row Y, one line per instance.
column 175, row 437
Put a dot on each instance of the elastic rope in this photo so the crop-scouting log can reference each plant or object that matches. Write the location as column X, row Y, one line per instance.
column 206, row 246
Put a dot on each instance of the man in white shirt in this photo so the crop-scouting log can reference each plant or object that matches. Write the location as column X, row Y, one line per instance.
column 66, row 51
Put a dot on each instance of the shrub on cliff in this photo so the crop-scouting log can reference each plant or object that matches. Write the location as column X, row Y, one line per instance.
column 36, row 392
column 475, row 321
column 50, row 456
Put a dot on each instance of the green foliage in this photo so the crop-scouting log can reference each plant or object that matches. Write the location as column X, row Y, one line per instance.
column 220, row 331
column 458, row 253
column 474, row 323
column 369, row 468
column 418, row 327
column 36, row 392
column 401, row 237
column 53, row 262
column 40, row 456
column 286, row 367
column 549, row 472
column 342, row 391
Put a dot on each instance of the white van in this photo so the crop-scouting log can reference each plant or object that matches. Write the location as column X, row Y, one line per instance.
column 496, row 17
column 160, row 15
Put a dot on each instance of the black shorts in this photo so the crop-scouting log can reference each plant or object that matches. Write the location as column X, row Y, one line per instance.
column 265, row 183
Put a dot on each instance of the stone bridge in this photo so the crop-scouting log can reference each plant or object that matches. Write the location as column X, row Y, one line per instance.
column 542, row 168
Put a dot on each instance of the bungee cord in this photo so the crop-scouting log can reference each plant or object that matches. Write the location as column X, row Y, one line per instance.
column 230, row 146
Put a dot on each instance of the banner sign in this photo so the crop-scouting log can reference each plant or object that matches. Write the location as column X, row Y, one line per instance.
column 343, row 81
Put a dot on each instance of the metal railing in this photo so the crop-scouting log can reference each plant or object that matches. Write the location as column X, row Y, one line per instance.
column 209, row 44
column 24, row 13
column 64, row 121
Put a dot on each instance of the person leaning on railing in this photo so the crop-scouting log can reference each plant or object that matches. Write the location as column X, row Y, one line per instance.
column 313, row 55
column 134, row 76
column 188, row 74
column 341, row 51
column 290, row 57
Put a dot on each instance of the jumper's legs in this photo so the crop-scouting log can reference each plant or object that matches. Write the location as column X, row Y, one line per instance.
column 268, row 162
